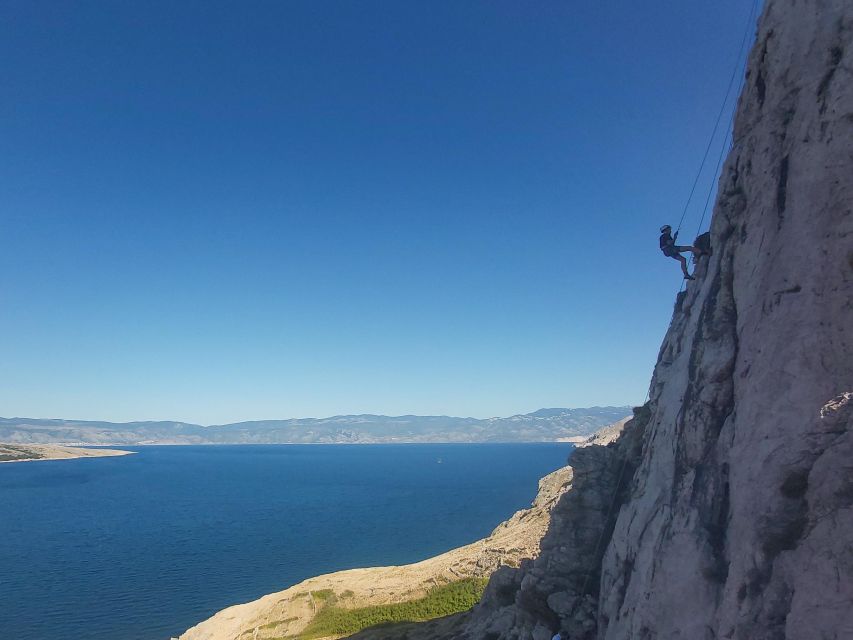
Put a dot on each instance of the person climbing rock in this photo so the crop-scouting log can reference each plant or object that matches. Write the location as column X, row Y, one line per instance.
column 672, row 250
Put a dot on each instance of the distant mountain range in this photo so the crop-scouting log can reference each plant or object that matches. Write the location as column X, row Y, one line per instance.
column 545, row 425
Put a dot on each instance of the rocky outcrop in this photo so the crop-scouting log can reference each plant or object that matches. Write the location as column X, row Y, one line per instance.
column 558, row 590
column 288, row 612
column 725, row 509
column 605, row 435
column 554, row 590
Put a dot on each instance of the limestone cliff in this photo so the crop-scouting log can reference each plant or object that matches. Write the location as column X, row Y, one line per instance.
column 744, row 495
column 731, row 491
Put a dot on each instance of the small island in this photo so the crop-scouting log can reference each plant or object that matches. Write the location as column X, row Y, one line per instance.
column 33, row 452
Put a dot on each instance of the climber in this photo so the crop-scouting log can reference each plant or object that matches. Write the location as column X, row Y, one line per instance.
column 672, row 250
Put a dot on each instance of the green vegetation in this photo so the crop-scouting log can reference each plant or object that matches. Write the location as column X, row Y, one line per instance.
column 441, row 601
column 324, row 594
column 10, row 452
column 276, row 623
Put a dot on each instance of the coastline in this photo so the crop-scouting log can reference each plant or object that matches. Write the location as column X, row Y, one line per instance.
column 38, row 452
column 291, row 612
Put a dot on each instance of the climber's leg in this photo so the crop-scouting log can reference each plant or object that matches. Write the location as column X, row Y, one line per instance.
column 694, row 250
column 683, row 262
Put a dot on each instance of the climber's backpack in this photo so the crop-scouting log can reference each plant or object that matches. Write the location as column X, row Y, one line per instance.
column 703, row 243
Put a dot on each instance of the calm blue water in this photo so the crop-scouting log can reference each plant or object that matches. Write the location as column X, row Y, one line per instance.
column 142, row 547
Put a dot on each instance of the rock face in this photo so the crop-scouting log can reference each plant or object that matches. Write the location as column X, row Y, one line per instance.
column 725, row 510
column 744, row 494
column 543, row 593
column 557, row 590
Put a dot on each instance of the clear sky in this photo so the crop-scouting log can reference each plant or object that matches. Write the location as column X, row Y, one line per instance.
column 217, row 211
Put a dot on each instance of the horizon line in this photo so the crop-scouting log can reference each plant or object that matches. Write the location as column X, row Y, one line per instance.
column 338, row 415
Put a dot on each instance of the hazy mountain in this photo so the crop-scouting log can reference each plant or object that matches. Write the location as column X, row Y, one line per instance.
column 540, row 426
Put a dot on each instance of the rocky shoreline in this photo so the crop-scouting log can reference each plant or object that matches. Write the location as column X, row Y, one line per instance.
column 288, row 613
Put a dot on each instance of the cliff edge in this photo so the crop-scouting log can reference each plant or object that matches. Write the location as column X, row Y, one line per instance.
column 740, row 518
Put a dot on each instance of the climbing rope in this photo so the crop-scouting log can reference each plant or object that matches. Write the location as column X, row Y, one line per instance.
column 711, row 189
column 738, row 65
column 730, row 129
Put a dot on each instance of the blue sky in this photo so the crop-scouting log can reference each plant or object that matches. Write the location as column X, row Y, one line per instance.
column 218, row 211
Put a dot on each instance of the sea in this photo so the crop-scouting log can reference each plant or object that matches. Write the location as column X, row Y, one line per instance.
column 142, row 547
